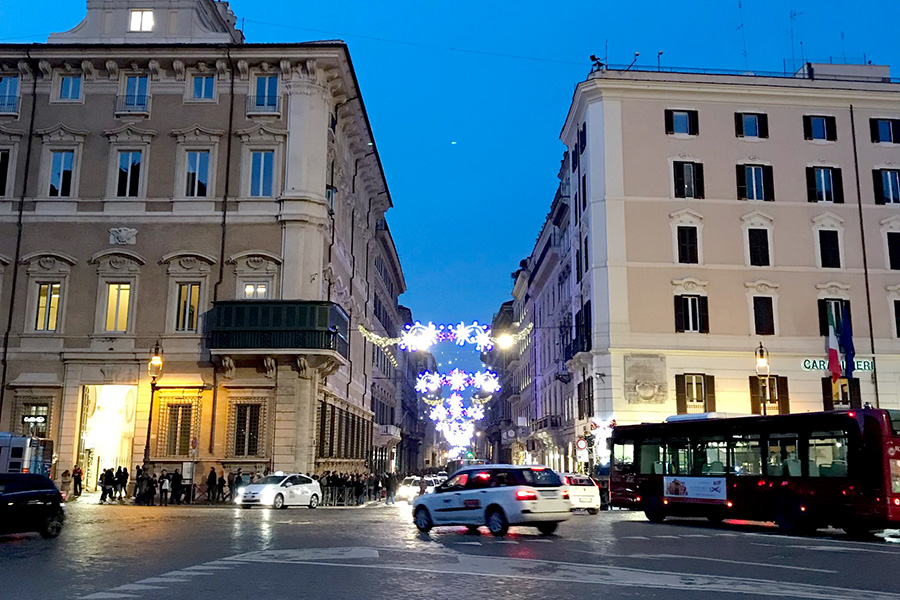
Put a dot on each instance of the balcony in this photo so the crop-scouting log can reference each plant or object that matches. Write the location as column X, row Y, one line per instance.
column 264, row 105
column 133, row 104
column 9, row 105
column 286, row 326
column 548, row 423
column 386, row 435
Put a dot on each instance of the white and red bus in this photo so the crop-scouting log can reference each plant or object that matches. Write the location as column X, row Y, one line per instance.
column 802, row 471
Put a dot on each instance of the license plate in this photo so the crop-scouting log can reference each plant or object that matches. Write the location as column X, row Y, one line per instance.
column 585, row 500
column 547, row 494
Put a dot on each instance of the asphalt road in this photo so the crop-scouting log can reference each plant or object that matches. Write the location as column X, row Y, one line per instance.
column 375, row 552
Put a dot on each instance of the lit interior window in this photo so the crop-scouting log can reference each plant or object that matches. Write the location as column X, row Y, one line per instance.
column 141, row 20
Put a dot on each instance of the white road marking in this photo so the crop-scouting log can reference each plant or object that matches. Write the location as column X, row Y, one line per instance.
column 828, row 548
column 184, row 573
column 467, row 543
column 163, row 580
column 667, row 537
column 723, row 560
column 108, row 595
column 694, row 535
column 137, row 587
column 506, row 542
column 207, row 568
column 634, row 537
column 537, row 541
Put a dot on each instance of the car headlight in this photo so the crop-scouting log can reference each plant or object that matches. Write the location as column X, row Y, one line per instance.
column 241, row 491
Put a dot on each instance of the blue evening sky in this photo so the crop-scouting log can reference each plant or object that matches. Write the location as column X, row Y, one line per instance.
column 467, row 100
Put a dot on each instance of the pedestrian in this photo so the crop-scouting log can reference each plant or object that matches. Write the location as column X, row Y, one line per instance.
column 76, row 480
column 231, row 488
column 359, row 488
column 423, row 485
column 390, row 488
column 211, row 481
column 220, row 489
column 153, row 483
column 123, row 484
column 65, row 483
column 117, row 481
column 238, row 481
column 165, row 486
column 176, row 486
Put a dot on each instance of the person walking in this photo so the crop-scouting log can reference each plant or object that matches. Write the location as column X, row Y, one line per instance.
column 390, row 488
column 211, row 481
column 165, row 486
column 138, row 478
column 220, row 488
column 117, row 480
column 123, row 484
column 65, row 483
column 176, row 479
column 76, row 480
column 153, row 483
column 359, row 488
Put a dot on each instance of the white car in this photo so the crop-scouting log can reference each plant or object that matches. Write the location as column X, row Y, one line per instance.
column 409, row 487
column 583, row 492
column 496, row 496
column 280, row 490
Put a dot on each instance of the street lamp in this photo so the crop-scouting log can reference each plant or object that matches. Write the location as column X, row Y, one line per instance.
column 154, row 368
column 762, row 372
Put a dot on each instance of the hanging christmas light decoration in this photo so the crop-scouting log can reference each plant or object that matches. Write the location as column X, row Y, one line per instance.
column 453, row 416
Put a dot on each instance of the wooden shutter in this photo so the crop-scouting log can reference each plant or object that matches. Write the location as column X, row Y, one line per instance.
column 873, row 129
column 784, row 398
column 755, row 396
column 877, row 185
column 807, row 127
column 680, row 396
column 704, row 314
column 768, row 184
column 699, row 191
column 739, row 124
column 693, row 122
column 895, row 130
column 763, row 123
column 678, row 168
column 670, row 124
column 830, row 129
column 823, row 317
column 897, row 317
column 855, row 394
column 827, row 398
column 837, row 184
column 679, row 314
column 741, row 177
column 811, row 189
column 709, row 386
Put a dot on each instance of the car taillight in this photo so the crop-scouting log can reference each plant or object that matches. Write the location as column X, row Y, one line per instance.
column 526, row 495
column 566, row 480
column 565, row 494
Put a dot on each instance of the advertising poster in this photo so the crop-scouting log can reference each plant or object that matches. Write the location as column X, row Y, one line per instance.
column 695, row 489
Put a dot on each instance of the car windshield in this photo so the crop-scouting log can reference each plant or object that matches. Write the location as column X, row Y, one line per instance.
column 540, row 478
column 894, row 415
column 580, row 481
column 270, row 480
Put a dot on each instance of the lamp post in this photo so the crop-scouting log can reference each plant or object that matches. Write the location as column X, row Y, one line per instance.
column 762, row 372
column 154, row 368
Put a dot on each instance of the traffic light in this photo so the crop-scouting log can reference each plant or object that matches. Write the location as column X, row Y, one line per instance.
column 470, row 454
column 589, row 438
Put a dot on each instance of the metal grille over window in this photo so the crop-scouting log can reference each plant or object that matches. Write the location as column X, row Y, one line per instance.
column 179, row 423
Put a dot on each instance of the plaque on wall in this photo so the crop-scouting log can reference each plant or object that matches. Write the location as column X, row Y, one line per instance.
column 645, row 379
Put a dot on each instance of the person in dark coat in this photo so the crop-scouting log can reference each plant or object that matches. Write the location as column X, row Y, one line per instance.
column 176, row 487
column 220, row 488
column 211, row 482
column 122, row 482
column 77, row 474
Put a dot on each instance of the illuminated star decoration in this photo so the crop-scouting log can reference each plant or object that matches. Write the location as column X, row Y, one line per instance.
column 453, row 416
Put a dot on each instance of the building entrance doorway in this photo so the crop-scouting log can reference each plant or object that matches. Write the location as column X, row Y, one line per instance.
column 107, row 429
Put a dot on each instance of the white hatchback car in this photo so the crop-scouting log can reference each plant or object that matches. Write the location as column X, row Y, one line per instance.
column 280, row 490
column 409, row 487
column 583, row 492
column 496, row 496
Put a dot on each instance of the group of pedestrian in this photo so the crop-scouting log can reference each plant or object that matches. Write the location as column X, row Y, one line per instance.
column 113, row 484
column 170, row 487
column 362, row 486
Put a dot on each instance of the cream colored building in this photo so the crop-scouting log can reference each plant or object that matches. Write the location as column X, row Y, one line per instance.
column 163, row 181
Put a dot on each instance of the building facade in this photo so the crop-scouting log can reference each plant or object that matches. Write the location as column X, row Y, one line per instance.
column 162, row 181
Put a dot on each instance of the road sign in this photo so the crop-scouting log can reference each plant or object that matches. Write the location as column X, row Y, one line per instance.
column 581, row 444
column 581, row 455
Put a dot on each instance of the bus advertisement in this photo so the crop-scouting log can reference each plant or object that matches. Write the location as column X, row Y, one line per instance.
column 25, row 454
column 802, row 471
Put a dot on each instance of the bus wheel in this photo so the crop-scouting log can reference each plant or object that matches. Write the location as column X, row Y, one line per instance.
column 654, row 511
column 791, row 518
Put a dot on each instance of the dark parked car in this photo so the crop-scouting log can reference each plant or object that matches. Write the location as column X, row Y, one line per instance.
column 30, row 502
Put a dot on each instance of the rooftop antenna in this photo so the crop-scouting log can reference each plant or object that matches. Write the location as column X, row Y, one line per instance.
column 794, row 15
column 743, row 34
column 658, row 57
column 636, row 54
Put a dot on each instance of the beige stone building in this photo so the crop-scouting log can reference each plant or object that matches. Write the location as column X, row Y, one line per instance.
column 163, row 181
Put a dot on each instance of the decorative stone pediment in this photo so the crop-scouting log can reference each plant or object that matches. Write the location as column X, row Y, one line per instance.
column 255, row 262
column 48, row 263
column 757, row 218
column 762, row 286
column 61, row 133
column 181, row 263
column 689, row 285
column 9, row 135
column 261, row 133
column 686, row 216
column 833, row 289
column 197, row 133
column 129, row 134
column 828, row 220
column 891, row 223
column 117, row 262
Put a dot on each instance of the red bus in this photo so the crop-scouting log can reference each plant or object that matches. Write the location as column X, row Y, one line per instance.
column 802, row 471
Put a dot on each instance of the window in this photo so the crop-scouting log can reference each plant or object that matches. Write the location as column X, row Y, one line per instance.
column 824, row 184
column 829, row 249
column 837, row 308
column 61, row 169
column 695, row 393
column 687, row 245
column 135, row 94
column 9, row 94
column 817, row 127
column 751, row 125
column 70, row 87
column 897, row 317
column 47, row 306
column 745, row 455
column 684, row 122
column 885, row 131
column 266, row 99
column 204, row 87
column 129, row 181
column 887, row 186
column 784, row 456
column 769, row 395
column 764, row 315
column 141, row 20
column 118, row 299
column 755, row 182
column 4, row 171
column 178, row 430
column 691, row 314
column 246, row 430
column 758, row 240
column 688, row 179
column 893, row 247
column 256, row 290
column 197, row 173
column 36, row 420
column 843, row 393
column 828, row 453
column 188, row 307
column 262, row 174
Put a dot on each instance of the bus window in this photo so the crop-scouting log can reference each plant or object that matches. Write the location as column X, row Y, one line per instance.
column 678, row 455
column 623, row 458
column 746, row 455
column 828, row 454
column 895, row 476
column 784, row 459
column 650, row 457
column 711, row 456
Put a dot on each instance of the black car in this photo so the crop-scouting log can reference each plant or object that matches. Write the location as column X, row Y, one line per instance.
column 30, row 502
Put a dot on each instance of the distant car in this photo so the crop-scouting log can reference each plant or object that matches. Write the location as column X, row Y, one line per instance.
column 280, row 490
column 441, row 476
column 409, row 487
column 496, row 496
column 583, row 492
column 30, row 502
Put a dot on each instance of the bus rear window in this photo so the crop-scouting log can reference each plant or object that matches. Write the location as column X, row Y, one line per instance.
column 540, row 478
column 894, row 415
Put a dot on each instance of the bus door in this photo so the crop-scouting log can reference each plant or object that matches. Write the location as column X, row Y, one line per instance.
column 829, row 468
column 745, row 469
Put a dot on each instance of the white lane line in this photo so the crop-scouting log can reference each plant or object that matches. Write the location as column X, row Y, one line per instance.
column 207, row 568
column 163, row 580
column 108, row 595
column 467, row 543
column 634, row 537
column 694, row 535
column 538, row 541
column 827, row 548
column 723, row 560
column 667, row 537
column 184, row 573
column 137, row 587
column 506, row 542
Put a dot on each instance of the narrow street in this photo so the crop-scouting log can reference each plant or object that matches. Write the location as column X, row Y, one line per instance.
column 222, row 552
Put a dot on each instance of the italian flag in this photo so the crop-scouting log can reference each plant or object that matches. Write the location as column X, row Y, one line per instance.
column 834, row 358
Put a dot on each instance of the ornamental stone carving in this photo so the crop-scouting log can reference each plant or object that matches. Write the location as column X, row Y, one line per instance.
column 645, row 379
column 124, row 236
column 271, row 366
column 227, row 367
